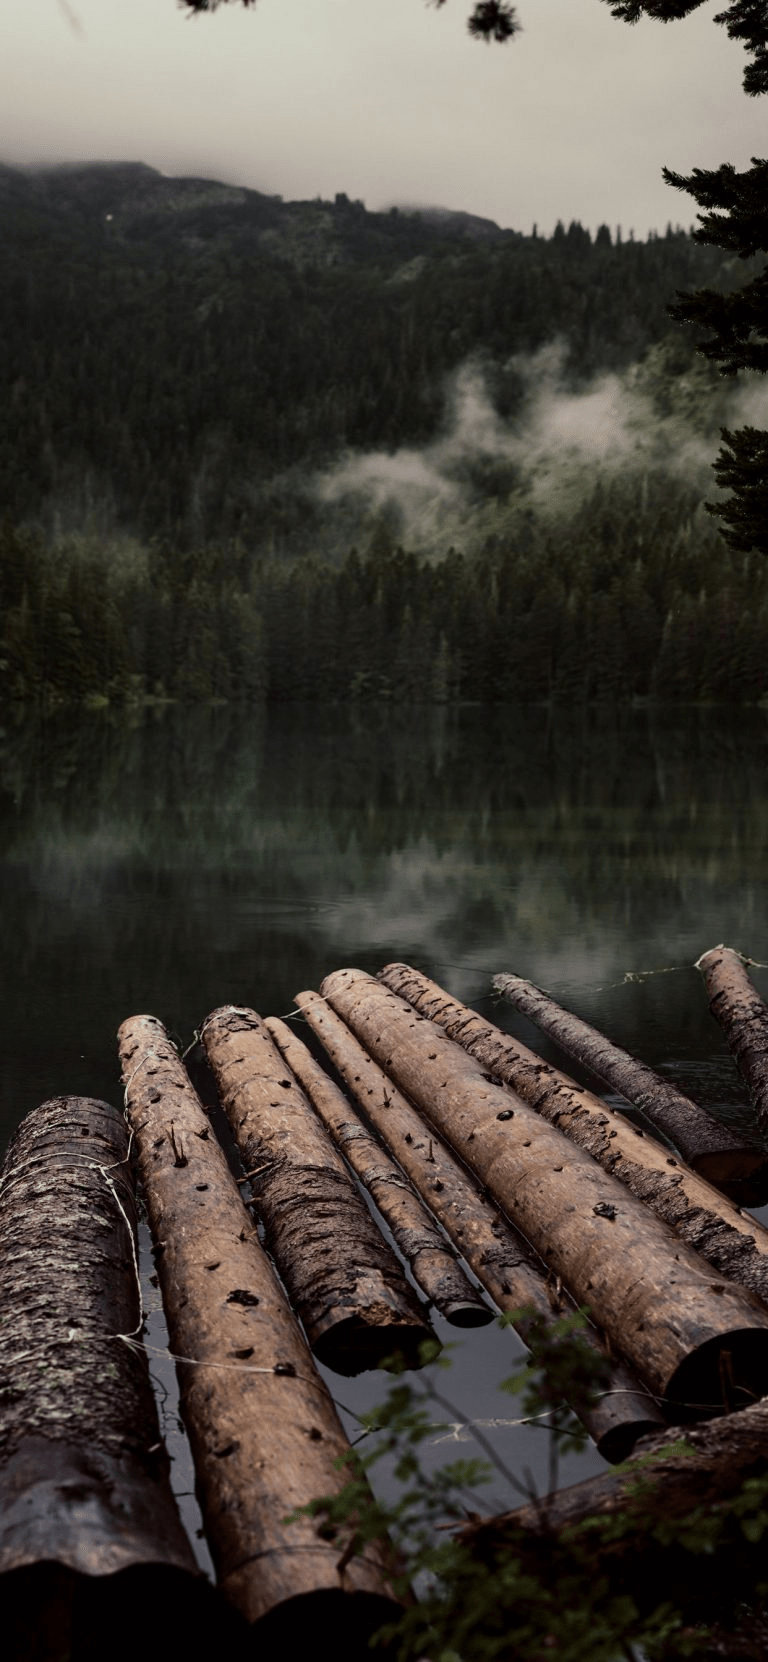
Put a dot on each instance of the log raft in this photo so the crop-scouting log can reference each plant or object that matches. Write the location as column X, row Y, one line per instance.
column 504, row 1263
column 264, row 1433
column 734, row 1243
column 88, row 1522
column 743, row 1015
column 343, row 1278
column 728, row 1162
column 698, row 1342
column 433, row 1265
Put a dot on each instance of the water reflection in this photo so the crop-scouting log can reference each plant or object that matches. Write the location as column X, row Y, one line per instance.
column 179, row 859
column 176, row 860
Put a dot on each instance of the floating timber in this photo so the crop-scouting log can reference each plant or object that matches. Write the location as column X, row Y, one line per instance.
column 433, row 1264
column 264, row 1433
column 502, row 1260
column 733, row 1242
column 677, row 1480
column 729, row 1163
column 700, row 1344
column 343, row 1278
column 743, row 1015
column 88, row 1523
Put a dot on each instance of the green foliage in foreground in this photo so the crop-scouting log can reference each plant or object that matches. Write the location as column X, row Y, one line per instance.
column 479, row 1603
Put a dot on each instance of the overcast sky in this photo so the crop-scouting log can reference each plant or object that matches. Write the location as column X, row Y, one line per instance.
column 388, row 100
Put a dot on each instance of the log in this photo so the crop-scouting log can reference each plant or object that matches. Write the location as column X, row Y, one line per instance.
column 687, row 1334
column 735, row 1244
column 88, row 1522
column 504, row 1263
column 434, row 1265
column 735, row 1166
column 743, row 1016
column 264, row 1433
column 342, row 1277
column 668, row 1484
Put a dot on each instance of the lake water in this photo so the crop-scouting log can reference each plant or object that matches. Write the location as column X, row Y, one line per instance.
column 170, row 861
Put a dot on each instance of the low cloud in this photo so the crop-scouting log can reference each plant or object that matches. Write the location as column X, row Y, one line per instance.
column 550, row 455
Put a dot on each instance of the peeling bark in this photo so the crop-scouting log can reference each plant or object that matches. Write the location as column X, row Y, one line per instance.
column 343, row 1278
column 743, row 1016
column 264, row 1433
column 87, row 1517
column 729, row 1163
column 687, row 1335
column 735, row 1244
column 433, row 1264
column 502, row 1260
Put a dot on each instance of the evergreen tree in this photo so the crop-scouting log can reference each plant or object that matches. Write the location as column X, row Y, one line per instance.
column 734, row 218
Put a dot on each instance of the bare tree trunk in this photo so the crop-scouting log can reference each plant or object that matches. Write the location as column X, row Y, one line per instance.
column 733, row 1242
column 342, row 1277
column 264, row 1433
column 730, row 1163
column 502, row 1260
column 686, row 1335
column 87, row 1518
column 433, row 1264
column 743, row 1016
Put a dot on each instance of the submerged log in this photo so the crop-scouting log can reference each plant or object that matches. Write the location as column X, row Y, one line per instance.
column 343, row 1278
column 699, row 1343
column 743, row 1016
column 733, row 1242
column 502, row 1260
column 727, row 1161
column 264, row 1432
column 88, row 1522
column 433, row 1264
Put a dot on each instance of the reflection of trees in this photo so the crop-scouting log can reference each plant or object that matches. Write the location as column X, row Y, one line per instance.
column 176, row 860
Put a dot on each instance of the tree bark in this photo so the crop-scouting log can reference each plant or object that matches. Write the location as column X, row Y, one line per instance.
column 735, row 1166
column 743, row 1016
column 686, row 1334
column 502, row 1260
column 264, row 1433
column 734, row 1243
column 433, row 1263
column 84, row 1486
column 342, row 1277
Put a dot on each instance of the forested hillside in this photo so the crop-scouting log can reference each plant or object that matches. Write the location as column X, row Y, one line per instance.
column 198, row 380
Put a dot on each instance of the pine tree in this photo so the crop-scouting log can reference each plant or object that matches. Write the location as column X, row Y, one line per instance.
column 734, row 218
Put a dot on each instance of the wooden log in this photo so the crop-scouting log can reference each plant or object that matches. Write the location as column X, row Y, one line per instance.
column 88, row 1522
column 342, row 1277
column 730, row 1163
column 264, row 1432
column 735, row 1244
column 671, row 1482
column 499, row 1256
column 433, row 1263
column 686, row 1333
column 743, row 1016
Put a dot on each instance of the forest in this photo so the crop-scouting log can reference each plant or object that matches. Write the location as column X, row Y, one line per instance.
column 201, row 382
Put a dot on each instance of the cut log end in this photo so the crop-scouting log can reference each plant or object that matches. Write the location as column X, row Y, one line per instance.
column 740, row 1174
column 355, row 1346
column 727, row 1373
column 620, row 1439
column 49, row 1611
column 461, row 1314
column 351, row 1618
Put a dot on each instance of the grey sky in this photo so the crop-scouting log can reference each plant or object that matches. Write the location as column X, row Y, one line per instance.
column 388, row 100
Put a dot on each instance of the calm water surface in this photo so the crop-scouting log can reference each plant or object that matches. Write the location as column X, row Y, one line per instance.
column 177, row 860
